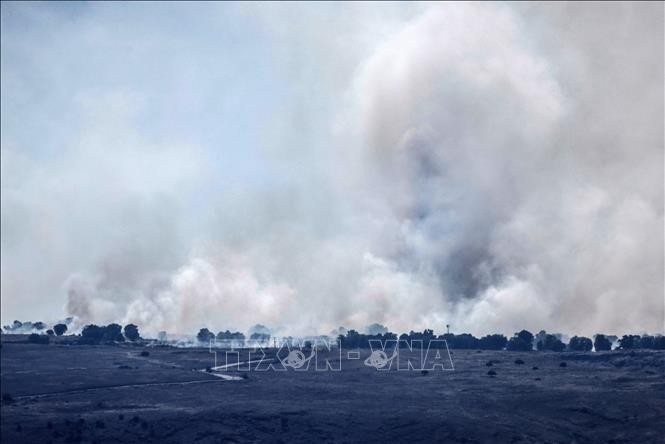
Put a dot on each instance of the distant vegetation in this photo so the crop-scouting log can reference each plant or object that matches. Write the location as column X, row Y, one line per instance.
column 38, row 339
column 205, row 335
column 602, row 343
column 132, row 332
column 227, row 335
column 523, row 340
column 60, row 329
column 94, row 334
column 580, row 343
column 546, row 341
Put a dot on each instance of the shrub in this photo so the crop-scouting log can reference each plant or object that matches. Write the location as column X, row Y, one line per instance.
column 628, row 342
column 92, row 334
column 50, row 332
column 205, row 335
column 113, row 332
column 132, row 332
column 492, row 342
column 522, row 341
column 59, row 329
column 550, row 342
column 227, row 335
column 465, row 341
column 38, row 339
column 647, row 342
column 659, row 343
column 580, row 343
column 601, row 343
column 259, row 337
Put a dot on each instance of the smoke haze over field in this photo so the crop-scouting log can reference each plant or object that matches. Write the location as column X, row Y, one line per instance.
column 307, row 166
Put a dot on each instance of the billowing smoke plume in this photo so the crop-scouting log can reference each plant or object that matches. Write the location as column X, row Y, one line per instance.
column 491, row 167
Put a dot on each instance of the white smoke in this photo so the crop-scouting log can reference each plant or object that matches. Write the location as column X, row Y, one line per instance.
column 474, row 173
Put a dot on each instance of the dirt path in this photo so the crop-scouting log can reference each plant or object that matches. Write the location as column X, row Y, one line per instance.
column 118, row 386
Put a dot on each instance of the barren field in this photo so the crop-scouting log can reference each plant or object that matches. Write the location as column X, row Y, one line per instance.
column 76, row 393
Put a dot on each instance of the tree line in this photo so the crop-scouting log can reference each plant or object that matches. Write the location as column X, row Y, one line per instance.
column 523, row 340
column 92, row 334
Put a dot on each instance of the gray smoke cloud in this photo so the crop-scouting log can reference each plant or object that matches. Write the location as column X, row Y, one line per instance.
column 493, row 167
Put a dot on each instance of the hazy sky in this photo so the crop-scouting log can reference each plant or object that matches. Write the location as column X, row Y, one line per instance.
column 306, row 166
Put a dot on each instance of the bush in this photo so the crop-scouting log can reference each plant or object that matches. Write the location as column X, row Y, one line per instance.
column 580, row 343
column 628, row 342
column 260, row 337
column 550, row 342
column 647, row 342
column 50, row 332
column 601, row 343
column 522, row 341
column 492, row 342
column 465, row 341
column 132, row 332
column 659, row 343
column 59, row 329
column 113, row 332
column 205, row 335
column 227, row 335
column 39, row 325
column 38, row 339
column 92, row 334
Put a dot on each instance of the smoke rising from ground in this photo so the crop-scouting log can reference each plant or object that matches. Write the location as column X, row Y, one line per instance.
column 492, row 167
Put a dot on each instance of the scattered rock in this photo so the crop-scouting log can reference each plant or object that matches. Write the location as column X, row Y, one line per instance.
column 519, row 362
column 535, row 367
column 424, row 372
column 489, row 363
column 99, row 424
column 563, row 364
column 145, row 353
column 7, row 398
column 491, row 373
